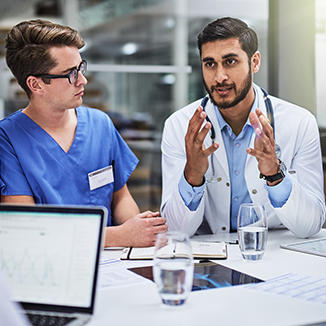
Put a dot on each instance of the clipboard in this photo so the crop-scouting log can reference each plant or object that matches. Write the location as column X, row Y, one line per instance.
column 313, row 247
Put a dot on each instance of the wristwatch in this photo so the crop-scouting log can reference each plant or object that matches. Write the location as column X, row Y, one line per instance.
column 275, row 177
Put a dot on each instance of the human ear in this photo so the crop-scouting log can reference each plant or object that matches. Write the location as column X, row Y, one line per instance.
column 34, row 84
column 255, row 61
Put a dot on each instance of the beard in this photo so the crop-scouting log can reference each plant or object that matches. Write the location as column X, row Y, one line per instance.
column 240, row 93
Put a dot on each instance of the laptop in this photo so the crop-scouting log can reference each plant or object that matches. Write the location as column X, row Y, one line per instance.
column 50, row 255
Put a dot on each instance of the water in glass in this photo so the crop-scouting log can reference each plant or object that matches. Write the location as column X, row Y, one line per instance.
column 252, row 231
column 173, row 267
column 174, row 280
column 252, row 242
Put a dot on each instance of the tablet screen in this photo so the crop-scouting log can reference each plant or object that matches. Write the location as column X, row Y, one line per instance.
column 207, row 275
column 314, row 247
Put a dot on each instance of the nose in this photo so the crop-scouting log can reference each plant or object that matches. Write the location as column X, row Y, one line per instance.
column 221, row 75
column 81, row 79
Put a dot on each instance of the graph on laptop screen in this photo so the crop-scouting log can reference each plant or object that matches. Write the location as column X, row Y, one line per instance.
column 42, row 254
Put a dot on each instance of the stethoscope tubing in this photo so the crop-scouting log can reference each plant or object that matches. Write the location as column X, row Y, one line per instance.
column 269, row 112
column 270, row 116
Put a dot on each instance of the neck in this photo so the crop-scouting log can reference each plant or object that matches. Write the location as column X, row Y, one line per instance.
column 49, row 118
column 237, row 115
column 61, row 125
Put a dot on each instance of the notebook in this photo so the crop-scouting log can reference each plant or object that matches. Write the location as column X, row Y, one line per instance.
column 50, row 255
column 200, row 250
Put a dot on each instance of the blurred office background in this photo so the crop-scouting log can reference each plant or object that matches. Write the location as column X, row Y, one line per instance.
column 144, row 63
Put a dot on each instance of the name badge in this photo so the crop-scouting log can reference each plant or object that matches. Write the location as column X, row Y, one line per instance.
column 101, row 177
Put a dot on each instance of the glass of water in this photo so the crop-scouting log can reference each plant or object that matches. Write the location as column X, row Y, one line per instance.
column 252, row 231
column 173, row 267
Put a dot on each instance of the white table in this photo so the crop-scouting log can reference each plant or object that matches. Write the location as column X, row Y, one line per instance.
column 139, row 304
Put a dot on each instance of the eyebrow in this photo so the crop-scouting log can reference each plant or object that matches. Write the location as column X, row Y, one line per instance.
column 208, row 59
column 72, row 68
column 229, row 55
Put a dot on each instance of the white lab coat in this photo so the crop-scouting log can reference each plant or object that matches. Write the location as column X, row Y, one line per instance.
column 296, row 133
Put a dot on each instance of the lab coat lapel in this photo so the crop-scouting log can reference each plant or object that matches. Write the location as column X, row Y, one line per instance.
column 220, row 154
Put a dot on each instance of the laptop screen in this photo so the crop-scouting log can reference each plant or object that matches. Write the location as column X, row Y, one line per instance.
column 50, row 254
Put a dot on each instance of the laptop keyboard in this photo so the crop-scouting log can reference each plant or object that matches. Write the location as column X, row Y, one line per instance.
column 45, row 320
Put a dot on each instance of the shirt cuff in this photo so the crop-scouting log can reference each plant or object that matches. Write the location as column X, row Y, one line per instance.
column 190, row 195
column 280, row 193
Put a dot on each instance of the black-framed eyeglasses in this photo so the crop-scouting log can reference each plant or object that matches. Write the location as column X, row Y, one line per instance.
column 72, row 76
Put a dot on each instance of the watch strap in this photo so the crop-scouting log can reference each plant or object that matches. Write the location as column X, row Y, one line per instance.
column 275, row 177
column 272, row 178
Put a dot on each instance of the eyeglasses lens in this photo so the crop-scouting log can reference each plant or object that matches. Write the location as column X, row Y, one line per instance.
column 73, row 76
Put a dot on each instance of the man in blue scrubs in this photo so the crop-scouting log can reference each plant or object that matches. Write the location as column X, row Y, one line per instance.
column 56, row 151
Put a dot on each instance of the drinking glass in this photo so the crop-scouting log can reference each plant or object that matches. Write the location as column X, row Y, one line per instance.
column 173, row 267
column 252, row 231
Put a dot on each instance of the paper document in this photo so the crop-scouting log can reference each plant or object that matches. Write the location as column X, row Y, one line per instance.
column 112, row 274
column 297, row 286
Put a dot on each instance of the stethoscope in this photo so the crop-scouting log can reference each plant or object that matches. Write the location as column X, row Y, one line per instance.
column 270, row 116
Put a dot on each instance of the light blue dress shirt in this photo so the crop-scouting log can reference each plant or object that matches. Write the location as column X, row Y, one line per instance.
column 235, row 147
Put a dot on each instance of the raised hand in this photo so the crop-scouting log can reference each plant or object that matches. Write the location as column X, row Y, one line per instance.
column 197, row 154
column 264, row 148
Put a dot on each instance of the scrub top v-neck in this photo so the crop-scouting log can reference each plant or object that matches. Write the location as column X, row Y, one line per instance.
column 34, row 164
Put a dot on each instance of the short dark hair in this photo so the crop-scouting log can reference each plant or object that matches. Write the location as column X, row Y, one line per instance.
column 227, row 27
column 27, row 47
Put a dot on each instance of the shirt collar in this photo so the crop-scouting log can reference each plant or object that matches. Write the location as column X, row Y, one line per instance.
column 223, row 124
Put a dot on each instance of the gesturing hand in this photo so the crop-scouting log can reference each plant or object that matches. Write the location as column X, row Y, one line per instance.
column 264, row 148
column 197, row 154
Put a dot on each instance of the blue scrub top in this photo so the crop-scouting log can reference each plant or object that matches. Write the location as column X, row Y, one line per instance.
column 33, row 164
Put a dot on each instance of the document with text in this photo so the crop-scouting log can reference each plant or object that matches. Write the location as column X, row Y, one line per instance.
column 295, row 285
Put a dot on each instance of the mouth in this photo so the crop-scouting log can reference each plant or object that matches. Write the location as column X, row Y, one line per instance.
column 81, row 93
column 223, row 90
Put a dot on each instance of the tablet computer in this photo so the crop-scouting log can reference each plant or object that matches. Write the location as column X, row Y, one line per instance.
column 207, row 275
column 314, row 247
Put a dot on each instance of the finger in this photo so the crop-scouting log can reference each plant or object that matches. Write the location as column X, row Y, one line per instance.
column 153, row 214
column 160, row 229
column 203, row 133
column 267, row 128
column 157, row 221
column 260, row 155
column 258, row 112
column 266, row 125
column 254, row 121
column 263, row 143
column 211, row 149
column 196, row 122
column 147, row 214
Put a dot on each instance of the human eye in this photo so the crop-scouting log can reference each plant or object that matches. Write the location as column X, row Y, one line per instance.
column 73, row 75
column 230, row 62
column 209, row 64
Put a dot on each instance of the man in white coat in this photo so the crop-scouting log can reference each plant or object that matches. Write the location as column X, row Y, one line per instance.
column 221, row 151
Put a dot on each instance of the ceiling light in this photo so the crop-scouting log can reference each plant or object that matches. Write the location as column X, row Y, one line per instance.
column 168, row 79
column 129, row 48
